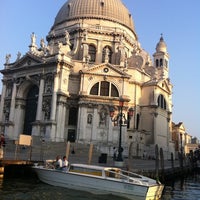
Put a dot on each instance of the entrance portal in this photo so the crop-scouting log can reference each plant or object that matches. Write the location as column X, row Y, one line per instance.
column 31, row 109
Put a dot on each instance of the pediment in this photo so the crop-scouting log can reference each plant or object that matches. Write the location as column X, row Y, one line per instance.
column 162, row 84
column 106, row 69
column 28, row 60
column 180, row 126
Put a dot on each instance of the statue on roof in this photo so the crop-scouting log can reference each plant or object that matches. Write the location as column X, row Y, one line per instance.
column 42, row 43
column 33, row 39
column 33, row 46
column 67, row 38
column 18, row 55
column 43, row 46
column 8, row 56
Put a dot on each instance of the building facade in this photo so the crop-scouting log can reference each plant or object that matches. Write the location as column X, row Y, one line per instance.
column 182, row 140
column 64, row 88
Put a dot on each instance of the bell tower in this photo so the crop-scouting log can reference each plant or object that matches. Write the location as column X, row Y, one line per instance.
column 161, row 59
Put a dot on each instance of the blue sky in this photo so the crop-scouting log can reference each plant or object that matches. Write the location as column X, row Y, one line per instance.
column 177, row 20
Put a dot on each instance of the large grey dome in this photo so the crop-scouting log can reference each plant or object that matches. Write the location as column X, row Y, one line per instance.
column 113, row 10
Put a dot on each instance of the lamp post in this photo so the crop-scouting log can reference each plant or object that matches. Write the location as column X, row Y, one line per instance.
column 181, row 157
column 120, row 118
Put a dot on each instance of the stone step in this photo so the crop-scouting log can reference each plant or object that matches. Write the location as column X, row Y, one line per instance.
column 41, row 151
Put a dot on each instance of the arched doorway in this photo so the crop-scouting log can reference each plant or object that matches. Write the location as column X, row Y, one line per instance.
column 31, row 109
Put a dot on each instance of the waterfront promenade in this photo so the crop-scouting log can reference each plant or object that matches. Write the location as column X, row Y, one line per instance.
column 77, row 153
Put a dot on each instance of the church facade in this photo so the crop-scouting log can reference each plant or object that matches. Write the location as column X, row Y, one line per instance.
column 65, row 88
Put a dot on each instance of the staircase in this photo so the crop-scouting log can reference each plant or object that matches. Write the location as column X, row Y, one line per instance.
column 41, row 151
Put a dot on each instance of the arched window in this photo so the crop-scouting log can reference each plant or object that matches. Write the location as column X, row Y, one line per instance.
column 104, row 91
column 157, row 63
column 95, row 89
column 161, row 62
column 92, row 53
column 104, row 88
column 162, row 102
column 107, row 52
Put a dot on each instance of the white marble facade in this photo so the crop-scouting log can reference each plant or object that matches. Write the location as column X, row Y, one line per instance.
column 63, row 88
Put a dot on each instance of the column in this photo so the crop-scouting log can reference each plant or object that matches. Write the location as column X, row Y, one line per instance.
column 85, row 51
column 94, row 124
column 54, row 98
column 61, row 115
column 99, row 52
column 155, row 127
column 2, row 100
column 78, row 130
column 12, row 105
column 40, row 98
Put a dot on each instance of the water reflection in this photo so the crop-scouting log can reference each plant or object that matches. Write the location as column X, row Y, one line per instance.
column 33, row 189
column 18, row 189
column 185, row 188
column 1, row 176
column 1, row 182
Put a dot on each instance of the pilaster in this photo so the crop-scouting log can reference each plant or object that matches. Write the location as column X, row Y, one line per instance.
column 61, row 115
column 2, row 100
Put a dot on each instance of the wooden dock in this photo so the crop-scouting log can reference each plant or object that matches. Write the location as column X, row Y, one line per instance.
column 4, row 163
column 15, row 168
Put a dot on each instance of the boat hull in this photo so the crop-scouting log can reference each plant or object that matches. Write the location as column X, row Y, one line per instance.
column 98, row 185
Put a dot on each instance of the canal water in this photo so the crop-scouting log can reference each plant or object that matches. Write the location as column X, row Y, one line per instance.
column 32, row 189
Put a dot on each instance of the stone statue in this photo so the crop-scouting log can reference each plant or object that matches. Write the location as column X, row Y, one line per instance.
column 33, row 39
column 8, row 56
column 18, row 55
column 103, row 115
column 89, row 119
column 67, row 38
column 87, row 59
column 42, row 44
column 33, row 46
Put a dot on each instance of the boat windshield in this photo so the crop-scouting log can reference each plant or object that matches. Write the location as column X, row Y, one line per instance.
column 130, row 174
column 126, row 176
column 85, row 170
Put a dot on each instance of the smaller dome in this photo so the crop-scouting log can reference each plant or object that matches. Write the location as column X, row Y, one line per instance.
column 161, row 46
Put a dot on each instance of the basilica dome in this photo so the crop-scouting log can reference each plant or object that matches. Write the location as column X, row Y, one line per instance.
column 111, row 10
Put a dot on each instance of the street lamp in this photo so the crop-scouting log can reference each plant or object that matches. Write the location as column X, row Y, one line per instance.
column 181, row 157
column 120, row 118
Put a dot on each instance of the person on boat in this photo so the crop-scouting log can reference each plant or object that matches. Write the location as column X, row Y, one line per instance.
column 58, row 164
column 114, row 153
column 2, row 145
column 2, row 140
column 65, row 163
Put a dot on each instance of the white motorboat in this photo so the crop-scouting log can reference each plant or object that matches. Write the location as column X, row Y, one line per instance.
column 103, row 180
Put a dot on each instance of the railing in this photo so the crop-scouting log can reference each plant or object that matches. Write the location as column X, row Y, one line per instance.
column 13, row 151
column 46, row 150
column 126, row 177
